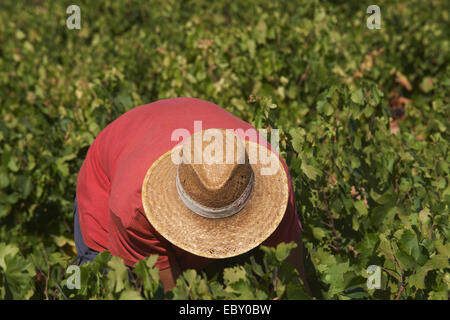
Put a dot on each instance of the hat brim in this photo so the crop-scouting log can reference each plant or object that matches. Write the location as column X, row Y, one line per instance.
column 214, row 238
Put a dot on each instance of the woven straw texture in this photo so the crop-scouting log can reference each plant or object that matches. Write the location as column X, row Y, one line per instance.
column 214, row 238
column 214, row 185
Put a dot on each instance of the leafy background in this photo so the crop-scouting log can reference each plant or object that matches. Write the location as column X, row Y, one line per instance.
column 363, row 114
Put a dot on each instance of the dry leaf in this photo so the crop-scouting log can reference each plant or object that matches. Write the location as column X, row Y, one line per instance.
column 402, row 79
column 393, row 127
column 353, row 192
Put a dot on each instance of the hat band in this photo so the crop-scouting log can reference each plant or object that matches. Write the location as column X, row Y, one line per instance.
column 209, row 212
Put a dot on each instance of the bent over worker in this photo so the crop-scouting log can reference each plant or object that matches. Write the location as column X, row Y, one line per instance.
column 154, row 182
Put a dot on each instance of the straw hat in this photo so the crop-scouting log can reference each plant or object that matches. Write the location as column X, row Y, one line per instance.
column 213, row 198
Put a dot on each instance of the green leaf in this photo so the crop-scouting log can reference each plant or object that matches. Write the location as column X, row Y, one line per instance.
column 251, row 46
column 298, row 139
column 124, row 100
column 242, row 290
column 6, row 250
column 256, row 267
column 261, row 32
column 12, row 164
column 149, row 275
column 191, row 277
column 181, row 291
column 296, row 292
column 318, row 233
column 442, row 167
column 443, row 249
column 4, row 180
column 357, row 96
column 130, row 295
column 283, row 250
column 231, row 275
column 438, row 295
column 101, row 260
column 17, row 273
column 436, row 262
column 217, row 290
column 409, row 243
column 20, row 35
column 335, row 277
column 426, row 85
column 310, row 171
column 118, row 278
column 361, row 207
column 356, row 292
column 325, row 107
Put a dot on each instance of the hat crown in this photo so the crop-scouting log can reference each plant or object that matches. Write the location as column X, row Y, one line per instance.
column 215, row 170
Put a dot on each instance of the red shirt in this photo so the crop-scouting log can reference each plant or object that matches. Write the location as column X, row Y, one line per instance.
column 110, row 180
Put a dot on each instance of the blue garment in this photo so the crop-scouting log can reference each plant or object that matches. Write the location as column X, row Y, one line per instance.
column 84, row 253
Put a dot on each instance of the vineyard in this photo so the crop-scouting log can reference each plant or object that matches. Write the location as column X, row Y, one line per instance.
column 364, row 127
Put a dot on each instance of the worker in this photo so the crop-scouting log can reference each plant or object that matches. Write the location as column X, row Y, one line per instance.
column 185, row 180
